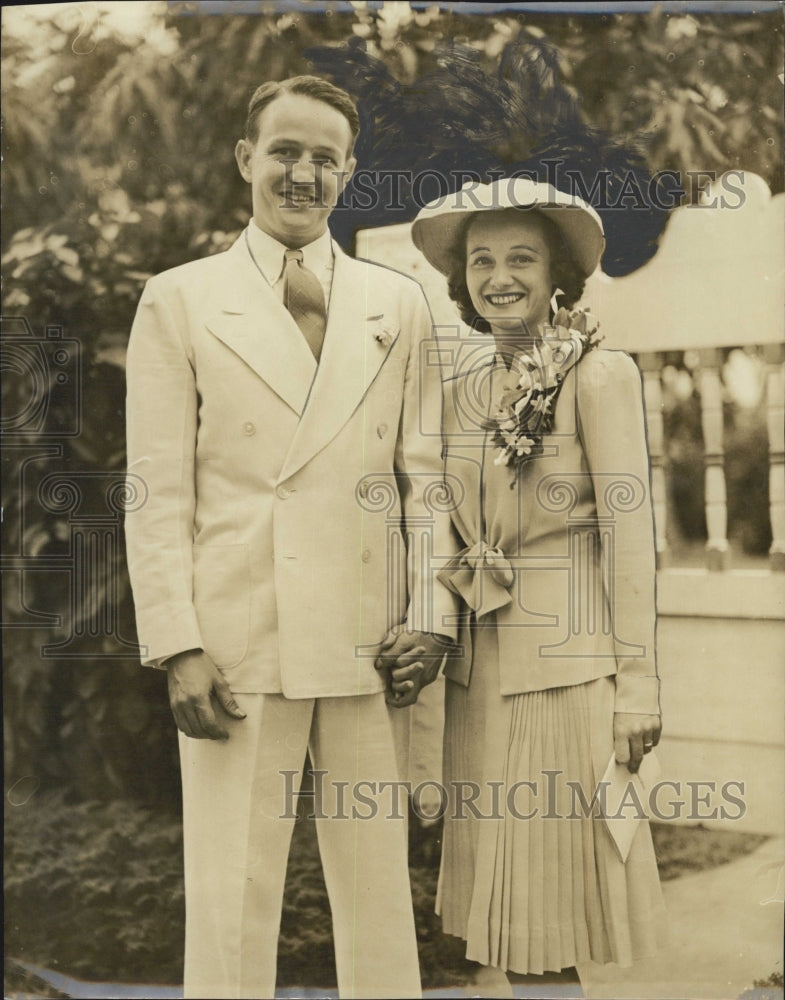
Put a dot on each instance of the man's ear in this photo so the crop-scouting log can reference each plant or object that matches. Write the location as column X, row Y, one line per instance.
column 346, row 173
column 243, row 152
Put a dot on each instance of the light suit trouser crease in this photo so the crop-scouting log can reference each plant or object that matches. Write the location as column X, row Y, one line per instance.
column 238, row 816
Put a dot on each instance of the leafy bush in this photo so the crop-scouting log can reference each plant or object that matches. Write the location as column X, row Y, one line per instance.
column 96, row 891
column 100, row 730
column 747, row 478
column 769, row 988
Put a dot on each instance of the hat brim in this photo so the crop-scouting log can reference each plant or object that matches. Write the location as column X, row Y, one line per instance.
column 437, row 228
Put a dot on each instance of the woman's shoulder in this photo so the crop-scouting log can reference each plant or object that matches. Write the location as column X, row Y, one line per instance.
column 608, row 387
column 603, row 367
column 604, row 360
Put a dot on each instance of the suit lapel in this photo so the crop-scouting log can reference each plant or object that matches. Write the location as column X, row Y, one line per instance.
column 351, row 359
column 258, row 328
column 463, row 469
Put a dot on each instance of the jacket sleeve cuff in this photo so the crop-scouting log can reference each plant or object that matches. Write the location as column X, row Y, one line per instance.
column 440, row 619
column 164, row 632
column 162, row 662
column 637, row 694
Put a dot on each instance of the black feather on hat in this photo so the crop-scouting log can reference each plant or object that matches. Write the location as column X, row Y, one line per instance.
column 424, row 140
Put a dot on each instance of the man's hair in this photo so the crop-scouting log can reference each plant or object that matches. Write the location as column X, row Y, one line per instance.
column 307, row 86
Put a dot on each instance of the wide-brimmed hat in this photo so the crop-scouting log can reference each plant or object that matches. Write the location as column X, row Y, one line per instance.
column 440, row 222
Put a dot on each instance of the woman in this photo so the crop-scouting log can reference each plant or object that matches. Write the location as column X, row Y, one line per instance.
column 546, row 455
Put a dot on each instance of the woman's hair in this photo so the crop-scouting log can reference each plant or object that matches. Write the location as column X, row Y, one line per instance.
column 565, row 273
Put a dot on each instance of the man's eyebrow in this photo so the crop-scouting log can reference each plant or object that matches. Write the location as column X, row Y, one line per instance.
column 281, row 140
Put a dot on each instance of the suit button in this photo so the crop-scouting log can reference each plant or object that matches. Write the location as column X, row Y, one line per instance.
column 366, row 555
column 381, row 430
column 249, row 428
column 283, row 492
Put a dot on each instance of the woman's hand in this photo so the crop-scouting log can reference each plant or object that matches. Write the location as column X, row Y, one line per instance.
column 633, row 736
column 412, row 660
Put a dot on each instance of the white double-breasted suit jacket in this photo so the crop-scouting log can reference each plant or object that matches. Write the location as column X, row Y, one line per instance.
column 271, row 494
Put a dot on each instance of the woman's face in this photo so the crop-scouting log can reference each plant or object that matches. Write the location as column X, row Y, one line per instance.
column 508, row 270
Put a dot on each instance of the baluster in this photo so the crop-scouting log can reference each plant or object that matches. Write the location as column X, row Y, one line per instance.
column 650, row 364
column 714, row 459
column 774, row 356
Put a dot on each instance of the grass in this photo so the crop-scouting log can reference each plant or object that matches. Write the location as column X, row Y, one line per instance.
column 683, row 850
column 95, row 891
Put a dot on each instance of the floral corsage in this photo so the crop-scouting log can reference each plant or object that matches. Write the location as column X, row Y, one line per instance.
column 382, row 333
column 526, row 409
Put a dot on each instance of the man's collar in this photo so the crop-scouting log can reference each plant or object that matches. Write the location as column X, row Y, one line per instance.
column 269, row 253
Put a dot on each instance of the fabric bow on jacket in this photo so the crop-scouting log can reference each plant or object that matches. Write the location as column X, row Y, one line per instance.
column 482, row 576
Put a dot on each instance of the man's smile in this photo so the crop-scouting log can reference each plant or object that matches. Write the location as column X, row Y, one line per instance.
column 300, row 198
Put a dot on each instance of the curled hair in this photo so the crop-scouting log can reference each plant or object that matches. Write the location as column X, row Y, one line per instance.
column 307, row 86
column 565, row 273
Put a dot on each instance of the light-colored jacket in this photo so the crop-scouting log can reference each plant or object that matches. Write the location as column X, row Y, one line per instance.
column 576, row 538
column 270, row 493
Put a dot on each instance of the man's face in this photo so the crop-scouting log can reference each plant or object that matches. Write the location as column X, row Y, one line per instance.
column 297, row 167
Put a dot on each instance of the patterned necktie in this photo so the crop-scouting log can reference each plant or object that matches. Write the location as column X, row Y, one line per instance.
column 304, row 298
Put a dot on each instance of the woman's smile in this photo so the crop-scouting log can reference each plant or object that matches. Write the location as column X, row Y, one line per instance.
column 508, row 272
column 504, row 298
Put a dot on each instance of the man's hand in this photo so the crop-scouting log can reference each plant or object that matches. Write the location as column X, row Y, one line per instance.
column 633, row 736
column 194, row 681
column 412, row 660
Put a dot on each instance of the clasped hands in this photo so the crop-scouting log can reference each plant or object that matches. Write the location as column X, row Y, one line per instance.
column 200, row 695
column 411, row 661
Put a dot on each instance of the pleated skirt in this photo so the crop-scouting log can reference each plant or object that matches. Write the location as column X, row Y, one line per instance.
column 527, row 878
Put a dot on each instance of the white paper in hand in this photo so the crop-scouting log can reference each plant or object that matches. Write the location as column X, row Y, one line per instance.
column 626, row 799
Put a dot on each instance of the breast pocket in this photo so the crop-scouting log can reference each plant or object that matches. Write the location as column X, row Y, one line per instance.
column 222, row 597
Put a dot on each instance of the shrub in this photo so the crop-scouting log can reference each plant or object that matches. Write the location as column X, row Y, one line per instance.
column 96, row 891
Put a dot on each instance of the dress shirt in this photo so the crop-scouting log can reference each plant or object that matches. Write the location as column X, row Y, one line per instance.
column 269, row 256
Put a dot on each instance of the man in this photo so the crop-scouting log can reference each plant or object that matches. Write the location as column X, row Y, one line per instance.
column 274, row 399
